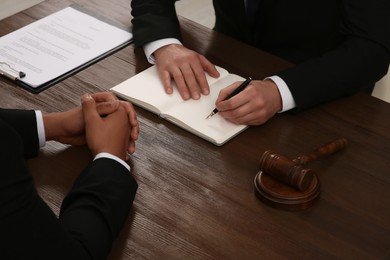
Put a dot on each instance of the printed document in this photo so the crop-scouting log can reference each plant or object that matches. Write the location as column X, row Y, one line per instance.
column 57, row 44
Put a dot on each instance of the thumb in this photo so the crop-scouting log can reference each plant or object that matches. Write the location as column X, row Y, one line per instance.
column 89, row 110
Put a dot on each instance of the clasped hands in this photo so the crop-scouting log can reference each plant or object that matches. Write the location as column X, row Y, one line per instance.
column 103, row 122
column 255, row 105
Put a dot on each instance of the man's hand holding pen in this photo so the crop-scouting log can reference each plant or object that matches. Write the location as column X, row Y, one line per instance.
column 237, row 90
column 256, row 104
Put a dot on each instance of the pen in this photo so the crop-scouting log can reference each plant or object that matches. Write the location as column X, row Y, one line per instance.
column 21, row 74
column 7, row 75
column 235, row 92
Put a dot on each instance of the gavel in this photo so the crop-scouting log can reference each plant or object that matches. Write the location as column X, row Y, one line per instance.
column 294, row 172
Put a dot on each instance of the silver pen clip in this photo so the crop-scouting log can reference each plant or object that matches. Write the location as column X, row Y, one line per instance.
column 20, row 74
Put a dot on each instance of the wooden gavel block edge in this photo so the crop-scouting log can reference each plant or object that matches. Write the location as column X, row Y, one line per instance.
column 281, row 196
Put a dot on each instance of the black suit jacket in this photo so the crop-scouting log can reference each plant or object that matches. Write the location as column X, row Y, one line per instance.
column 91, row 216
column 339, row 46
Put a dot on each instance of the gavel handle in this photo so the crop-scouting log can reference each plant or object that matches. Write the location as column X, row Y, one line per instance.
column 326, row 149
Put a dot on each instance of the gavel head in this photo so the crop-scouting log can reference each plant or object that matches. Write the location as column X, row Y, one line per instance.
column 286, row 170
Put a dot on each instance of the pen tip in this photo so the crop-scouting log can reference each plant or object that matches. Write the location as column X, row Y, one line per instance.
column 211, row 114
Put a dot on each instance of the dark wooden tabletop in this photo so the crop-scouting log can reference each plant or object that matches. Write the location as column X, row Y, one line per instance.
column 196, row 200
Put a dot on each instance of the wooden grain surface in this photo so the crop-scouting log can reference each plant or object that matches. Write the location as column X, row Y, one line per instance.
column 196, row 200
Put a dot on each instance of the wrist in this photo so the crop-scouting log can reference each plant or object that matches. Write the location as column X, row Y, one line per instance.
column 50, row 123
column 276, row 96
column 151, row 47
column 288, row 101
column 55, row 125
column 157, row 53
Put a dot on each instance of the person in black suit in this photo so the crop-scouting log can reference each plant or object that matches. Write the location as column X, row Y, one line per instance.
column 95, row 209
column 339, row 47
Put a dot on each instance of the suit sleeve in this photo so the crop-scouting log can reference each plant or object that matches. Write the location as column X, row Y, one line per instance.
column 98, row 204
column 25, row 124
column 154, row 20
column 92, row 214
column 356, row 64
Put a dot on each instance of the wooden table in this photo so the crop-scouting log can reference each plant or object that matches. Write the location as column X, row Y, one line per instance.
column 196, row 200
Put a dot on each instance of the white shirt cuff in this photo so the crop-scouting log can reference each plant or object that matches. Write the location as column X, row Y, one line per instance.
column 288, row 101
column 40, row 128
column 151, row 47
column 113, row 157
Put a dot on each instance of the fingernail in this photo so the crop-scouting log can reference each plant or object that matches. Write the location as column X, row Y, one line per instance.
column 85, row 97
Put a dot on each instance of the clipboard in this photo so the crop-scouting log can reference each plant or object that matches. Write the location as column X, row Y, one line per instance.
column 65, row 74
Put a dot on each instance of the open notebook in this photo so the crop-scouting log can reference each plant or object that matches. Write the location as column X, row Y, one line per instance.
column 146, row 90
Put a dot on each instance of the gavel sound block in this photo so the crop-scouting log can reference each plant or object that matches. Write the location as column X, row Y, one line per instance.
column 288, row 184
